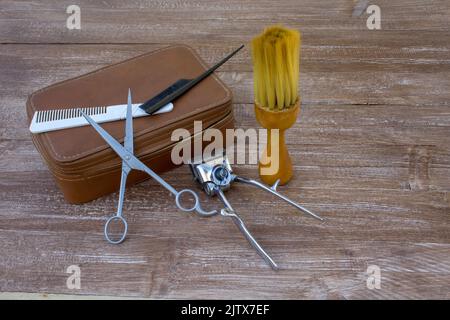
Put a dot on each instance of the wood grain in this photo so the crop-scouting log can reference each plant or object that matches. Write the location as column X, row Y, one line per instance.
column 371, row 151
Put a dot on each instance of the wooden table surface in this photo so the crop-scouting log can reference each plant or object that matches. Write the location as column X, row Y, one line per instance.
column 371, row 151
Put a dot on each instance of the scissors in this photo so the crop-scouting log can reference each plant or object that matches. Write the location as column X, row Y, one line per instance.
column 131, row 162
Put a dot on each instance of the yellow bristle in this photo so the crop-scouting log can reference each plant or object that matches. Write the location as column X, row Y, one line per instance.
column 276, row 61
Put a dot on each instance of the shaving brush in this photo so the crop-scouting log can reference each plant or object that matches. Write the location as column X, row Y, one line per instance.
column 276, row 61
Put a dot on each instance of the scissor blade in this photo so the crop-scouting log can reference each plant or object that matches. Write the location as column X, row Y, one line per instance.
column 113, row 143
column 128, row 141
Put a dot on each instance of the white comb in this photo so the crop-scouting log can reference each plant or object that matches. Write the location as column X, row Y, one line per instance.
column 57, row 119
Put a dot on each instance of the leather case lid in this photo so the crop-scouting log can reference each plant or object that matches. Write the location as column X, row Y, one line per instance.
column 146, row 75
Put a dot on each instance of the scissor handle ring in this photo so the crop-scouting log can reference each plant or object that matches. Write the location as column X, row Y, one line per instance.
column 125, row 229
column 183, row 208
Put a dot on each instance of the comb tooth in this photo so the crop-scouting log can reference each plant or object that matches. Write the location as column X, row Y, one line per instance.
column 38, row 116
column 45, row 115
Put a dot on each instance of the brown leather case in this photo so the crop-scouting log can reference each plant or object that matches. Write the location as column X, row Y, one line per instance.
column 84, row 166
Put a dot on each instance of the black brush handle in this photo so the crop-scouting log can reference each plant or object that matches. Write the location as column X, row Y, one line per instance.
column 180, row 87
column 169, row 90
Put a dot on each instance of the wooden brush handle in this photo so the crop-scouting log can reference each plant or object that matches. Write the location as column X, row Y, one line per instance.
column 273, row 167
